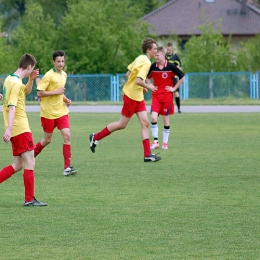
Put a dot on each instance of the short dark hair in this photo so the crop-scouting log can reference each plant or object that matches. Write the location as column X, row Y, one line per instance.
column 58, row 53
column 169, row 44
column 147, row 44
column 26, row 60
column 160, row 49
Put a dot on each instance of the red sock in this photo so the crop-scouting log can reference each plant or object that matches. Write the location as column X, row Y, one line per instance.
column 102, row 134
column 6, row 173
column 146, row 146
column 28, row 180
column 38, row 149
column 66, row 155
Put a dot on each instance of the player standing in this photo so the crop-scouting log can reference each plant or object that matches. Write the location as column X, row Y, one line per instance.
column 162, row 72
column 54, row 111
column 133, row 101
column 175, row 59
column 17, row 126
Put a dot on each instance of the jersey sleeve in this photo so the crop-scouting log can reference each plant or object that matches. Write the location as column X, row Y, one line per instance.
column 44, row 83
column 177, row 71
column 14, row 94
column 144, row 71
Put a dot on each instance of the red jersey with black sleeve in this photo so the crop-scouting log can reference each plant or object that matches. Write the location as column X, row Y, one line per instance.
column 162, row 78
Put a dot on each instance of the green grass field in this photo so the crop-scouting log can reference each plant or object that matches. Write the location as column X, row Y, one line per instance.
column 201, row 201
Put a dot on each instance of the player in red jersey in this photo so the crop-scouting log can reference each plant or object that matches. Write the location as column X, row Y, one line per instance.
column 162, row 72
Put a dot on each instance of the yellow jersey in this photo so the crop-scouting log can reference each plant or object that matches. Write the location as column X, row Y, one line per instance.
column 53, row 107
column 139, row 69
column 14, row 95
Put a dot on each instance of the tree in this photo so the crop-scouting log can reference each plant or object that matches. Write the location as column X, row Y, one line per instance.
column 36, row 35
column 248, row 56
column 105, row 42
column 208, row 52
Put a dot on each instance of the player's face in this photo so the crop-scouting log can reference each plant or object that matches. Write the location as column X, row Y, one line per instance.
column 169, row 50
column 59, row 63
column 159, row 57
column 152, row 51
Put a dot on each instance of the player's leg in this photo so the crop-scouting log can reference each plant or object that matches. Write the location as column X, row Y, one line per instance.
column 9, row 170
column 106, row 131
column 63, row 124
column 166, row 131
column 154, row 130
column 48, row 126
column 177, row 95
column 127, row 112
column 28, row 178
column 144, row 121
column 177, row 100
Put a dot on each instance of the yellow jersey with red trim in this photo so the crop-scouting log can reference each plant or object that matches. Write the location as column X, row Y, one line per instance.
column 14, row 95
column 53, row 107
column 139, row 68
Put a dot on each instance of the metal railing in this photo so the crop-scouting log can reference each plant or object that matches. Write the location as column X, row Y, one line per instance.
column 108, row 87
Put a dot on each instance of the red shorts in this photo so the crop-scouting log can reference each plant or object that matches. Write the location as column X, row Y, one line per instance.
column 22, row 143
column 131, row 107
column 162, row 108
column 49, row 125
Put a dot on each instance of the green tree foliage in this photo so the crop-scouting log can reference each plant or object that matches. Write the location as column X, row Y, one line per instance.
column 248, row 56
column 35, row 35
column 208, row 52
column 105, row 42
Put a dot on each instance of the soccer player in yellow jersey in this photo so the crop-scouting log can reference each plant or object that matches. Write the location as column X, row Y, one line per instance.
column 17, row 126
column 133, row 100
column 54, row 111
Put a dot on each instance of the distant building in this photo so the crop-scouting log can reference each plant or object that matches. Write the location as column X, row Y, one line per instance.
column 240, row 18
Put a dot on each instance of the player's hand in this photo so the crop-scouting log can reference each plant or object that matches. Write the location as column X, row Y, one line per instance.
column 67, row 101
column 170, row 89
column 60, row 91
column 34, row 74
column 145, row 90
column 152, row 87
column 7, row 135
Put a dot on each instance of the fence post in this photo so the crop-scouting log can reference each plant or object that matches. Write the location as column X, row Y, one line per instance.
column 257, row 85
column 253, row 86
column 186, row 87
column 113, row 87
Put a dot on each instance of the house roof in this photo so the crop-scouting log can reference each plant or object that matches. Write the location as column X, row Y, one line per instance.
column 181, row 17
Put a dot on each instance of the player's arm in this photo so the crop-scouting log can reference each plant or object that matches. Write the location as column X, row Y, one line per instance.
column 142, row 83
column 42, row 84
column 181, row 77
column 8, row 132
column 128, row 73
column 32, row 77
column 66, row 100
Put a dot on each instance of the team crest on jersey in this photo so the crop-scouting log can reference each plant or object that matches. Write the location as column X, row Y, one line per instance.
column 164, row 75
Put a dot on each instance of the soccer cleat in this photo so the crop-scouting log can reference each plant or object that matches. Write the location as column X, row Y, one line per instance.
column 69, row 171
column 152, row 158
column 35, row 203
column 155, row 145
column 179, row 111
column 92, row 142
column 165, row 146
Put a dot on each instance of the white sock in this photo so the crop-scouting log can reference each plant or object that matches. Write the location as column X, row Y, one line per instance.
column 166, row 133
column 154, row 129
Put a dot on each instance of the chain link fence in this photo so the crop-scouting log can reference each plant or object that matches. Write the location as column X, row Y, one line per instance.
column 107, row 87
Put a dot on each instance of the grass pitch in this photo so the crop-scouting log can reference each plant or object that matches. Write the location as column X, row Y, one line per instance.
column 201, row 201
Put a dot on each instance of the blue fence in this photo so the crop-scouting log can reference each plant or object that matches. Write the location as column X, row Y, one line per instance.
column 107, row 87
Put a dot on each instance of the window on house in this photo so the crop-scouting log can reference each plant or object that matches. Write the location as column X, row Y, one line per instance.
column 209, row 1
